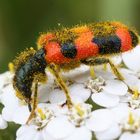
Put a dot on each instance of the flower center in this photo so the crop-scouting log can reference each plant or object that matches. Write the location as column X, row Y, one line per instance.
column 79, row 113
column 134, row 100
column 43, row 117
column 132, row 123
column 95, row 85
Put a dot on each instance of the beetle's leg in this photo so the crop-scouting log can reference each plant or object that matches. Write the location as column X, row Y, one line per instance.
column 55, row 71
column 100, row 61
column 32, row 114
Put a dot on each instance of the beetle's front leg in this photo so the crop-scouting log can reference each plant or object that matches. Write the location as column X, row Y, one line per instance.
column 32, row 114
column 100, row 61
column 56, row 72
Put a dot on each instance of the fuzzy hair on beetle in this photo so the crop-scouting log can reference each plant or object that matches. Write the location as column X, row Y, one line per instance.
column 66, row 49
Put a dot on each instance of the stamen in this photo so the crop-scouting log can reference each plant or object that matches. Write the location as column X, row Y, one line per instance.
column 136, row 93
column 41, row 113
column 105, row 67
column 92, row 72
column 131, row 119
column 95, row 85
column 80, row 111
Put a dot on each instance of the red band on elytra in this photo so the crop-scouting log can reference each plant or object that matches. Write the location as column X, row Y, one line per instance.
column 126, row 41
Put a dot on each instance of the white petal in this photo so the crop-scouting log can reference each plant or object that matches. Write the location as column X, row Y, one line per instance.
column 44, row 90
column 116, row 59
column 105, row 74
column 5, row 78
column 7, row 113
column 79, row 75
column 115, row 87
column 80, row 133
column 57, row 96
column 39, row 136
column 105, row 100
column 130, row 136
column 8, row 98
column 3, row 123
column 60, row 128
column 47, row 136
column 137, row 112
column 21, row 115
column 26, row 133
column 100, row 120
column 120, row 112
column 79, row 91
column 22, row 130
column 130, row 78
column 110, row 134
column 131, row 59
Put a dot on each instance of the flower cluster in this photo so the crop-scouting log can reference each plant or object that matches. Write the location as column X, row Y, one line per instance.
column 103, row 107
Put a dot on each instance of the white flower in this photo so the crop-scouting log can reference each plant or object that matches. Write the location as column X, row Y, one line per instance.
column 13, row 107
column 5, row 79
column 3, row 123
column 130, row 136
column 53, row 119
column 78, row 93
column 130, row 126
column 116, row 59
column 106, row 93
column 126, row 124
column 131, row 59
column 65, row 124
column 132, row 100
column 81, row 122
column 131, row 78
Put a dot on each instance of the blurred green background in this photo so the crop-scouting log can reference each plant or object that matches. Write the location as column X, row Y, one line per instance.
column 21, row 22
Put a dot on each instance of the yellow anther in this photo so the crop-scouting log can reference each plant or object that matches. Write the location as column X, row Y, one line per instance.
column 79, row 110
column 11, row 67
column 135, row 93
column 131, row 119
column 105, row 67
column 92, row 72
column 42, row 115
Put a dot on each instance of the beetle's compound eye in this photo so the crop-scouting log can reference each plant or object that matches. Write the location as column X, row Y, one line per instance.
column 134, row 37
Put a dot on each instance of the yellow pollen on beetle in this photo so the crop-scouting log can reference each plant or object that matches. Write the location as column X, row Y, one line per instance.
column 131, row 119
column 81, row 29
column 11, row 67
column 79, row 110
column 41, row 113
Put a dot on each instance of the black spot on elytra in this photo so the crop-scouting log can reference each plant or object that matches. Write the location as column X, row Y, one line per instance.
column 108, row 44
column 134, row 38
column 68, row 50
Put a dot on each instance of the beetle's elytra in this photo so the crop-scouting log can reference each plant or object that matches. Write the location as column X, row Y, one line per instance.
column 68, row 48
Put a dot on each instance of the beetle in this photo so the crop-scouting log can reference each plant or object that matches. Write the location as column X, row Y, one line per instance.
column 66, row 49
